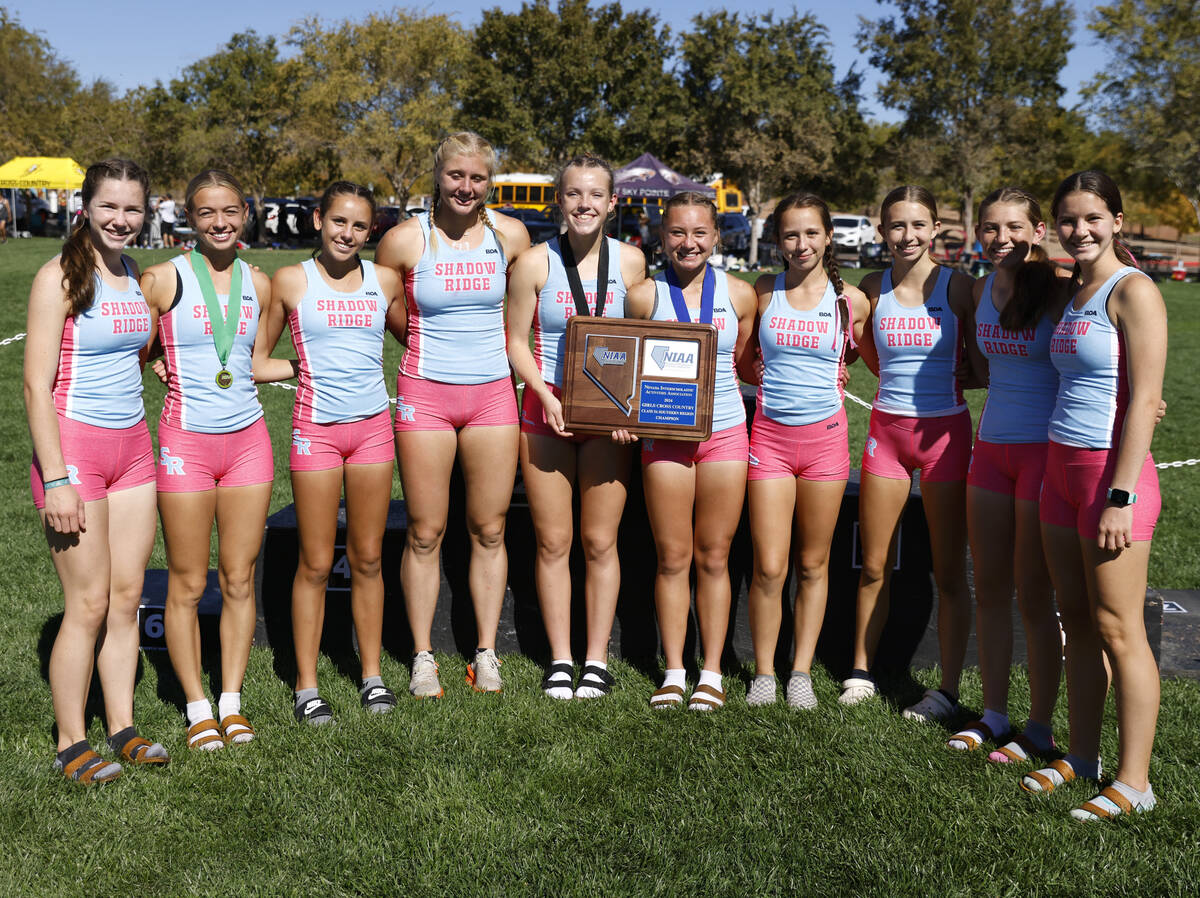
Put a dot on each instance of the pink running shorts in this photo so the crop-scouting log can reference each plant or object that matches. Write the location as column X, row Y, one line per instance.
column 100, row 460
column 730, row 444
column 324, row 447
column 432, row 405
column 817, row 451
column 1074, row 491
column 191, row 462
column 1011, row 469
column 939, row 447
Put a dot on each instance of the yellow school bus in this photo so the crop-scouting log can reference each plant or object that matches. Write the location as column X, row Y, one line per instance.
column 729, row 197
column 520, row 190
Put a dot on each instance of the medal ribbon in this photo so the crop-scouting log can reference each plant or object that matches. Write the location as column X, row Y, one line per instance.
column 572, row 267
column 223, row 326
column 706, row 296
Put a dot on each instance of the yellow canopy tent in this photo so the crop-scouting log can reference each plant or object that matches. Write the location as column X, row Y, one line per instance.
column 34, row 172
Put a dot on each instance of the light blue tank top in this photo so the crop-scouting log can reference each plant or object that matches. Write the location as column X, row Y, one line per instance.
column 456, row 312
column 1022, row 382
column 556, row 306
column 728, row 409
column 1093, row 387
column 194, row 401
column 339, row 340
column 919, row 348
column 99, row 379
column 802, row 356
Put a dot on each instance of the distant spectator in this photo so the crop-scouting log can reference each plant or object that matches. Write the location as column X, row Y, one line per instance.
column 166, row 216
column 5, row 216
column 155, row 224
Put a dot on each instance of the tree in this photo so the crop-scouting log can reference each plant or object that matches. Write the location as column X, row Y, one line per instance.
column 1150, row 90
column 545, row 85
column 977, row 83
column 765, row 108
column 379, row 94
column 35, row 87
column 245, row 104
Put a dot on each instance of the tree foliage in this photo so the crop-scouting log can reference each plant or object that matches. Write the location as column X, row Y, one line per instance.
column 1150, row 90
column 765, row 107
column 379, row 94
column 546, row 84
column 35, row 87
column 977, row 81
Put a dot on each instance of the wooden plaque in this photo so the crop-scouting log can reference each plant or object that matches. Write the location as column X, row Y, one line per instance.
column 652, row 378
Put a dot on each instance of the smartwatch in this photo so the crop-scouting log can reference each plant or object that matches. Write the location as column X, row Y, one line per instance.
column 1121, row 498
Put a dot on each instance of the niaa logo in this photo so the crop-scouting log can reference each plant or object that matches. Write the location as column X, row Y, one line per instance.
column 664, row 356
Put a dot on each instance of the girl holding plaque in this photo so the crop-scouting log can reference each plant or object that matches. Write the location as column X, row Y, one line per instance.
column 454, row 395
column 336, row 306
column 92, row 475
column 921, row 313
column 694, row 491
column 550, row 283
column 214, row 453
column 808, row 320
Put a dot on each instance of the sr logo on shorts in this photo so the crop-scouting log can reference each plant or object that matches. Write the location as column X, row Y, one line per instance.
column 173, row 463
column 303, row 446
column 404, row 411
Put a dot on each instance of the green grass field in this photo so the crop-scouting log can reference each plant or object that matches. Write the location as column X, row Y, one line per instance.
column 515, row 794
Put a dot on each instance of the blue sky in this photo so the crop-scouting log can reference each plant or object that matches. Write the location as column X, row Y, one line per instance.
column 132, row 42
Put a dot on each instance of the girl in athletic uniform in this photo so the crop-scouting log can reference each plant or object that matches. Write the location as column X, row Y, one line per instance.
column 92, row 475
column 550, row 283
column 336, row 306
column 919, row 421
column 694, row 491
column 214, row 453
column 1100, row 498
column 454, row 395
column 799, row 456
column 1015, row 310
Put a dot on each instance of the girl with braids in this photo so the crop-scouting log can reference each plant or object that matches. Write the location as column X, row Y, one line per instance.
column 1015, row 310
column 543, row 298
column 1100, row 498
column 799, row 455
column 920, row 312
column 336, row 306
column 93, row 465
column 215, row 462
column 694, row 491
column 454, row 395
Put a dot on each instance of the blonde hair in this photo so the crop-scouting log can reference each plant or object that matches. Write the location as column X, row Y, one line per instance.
column 463, row 143
column 212, row 177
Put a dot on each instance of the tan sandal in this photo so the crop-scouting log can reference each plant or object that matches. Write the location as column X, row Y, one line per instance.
column 706, row 698
column 89, row 769
column 197, row 739
column 969, row 736
column 1040, row 783
column 242, row 731
column 139, row 750
column 666, row 697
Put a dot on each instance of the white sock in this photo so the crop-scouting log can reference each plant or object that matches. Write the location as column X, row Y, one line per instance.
column 711, row 678
column 561, row 686
column 603, row 665
column 583, row 690
column 198, row 711
column 996, row 721
column 675, row 676
column 1141, row 801
column 229, row 703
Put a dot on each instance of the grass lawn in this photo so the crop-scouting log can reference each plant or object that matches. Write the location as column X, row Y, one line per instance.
column 515, row 794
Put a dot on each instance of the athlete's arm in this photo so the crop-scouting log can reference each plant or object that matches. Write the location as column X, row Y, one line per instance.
column 745, row 304
column 962, row 305
column 514, row 238
column 401, row 247
column 274, row 300
column 48, row 310
column 396, row 320
column 639, row 301
column 526, row 279
column 869, row 287
column 749, row 363
column 144, row 354
column 1136, row 308
column 975, row 358
column 633, row 266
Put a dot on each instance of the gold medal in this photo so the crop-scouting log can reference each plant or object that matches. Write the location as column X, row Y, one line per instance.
column 224, row 379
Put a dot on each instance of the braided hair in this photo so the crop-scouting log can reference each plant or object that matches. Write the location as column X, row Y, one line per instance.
column 829, row 259
column 463, row 143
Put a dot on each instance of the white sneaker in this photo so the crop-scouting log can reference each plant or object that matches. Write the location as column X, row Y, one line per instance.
column 857, row 689
column 484, row 672
column 934, row 706
column 800, row 693
column 424, row 681
column 761, row 692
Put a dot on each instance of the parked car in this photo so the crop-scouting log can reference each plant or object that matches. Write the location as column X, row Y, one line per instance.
column 852, row 231
column 386, row 218
column 874, row 255
column 541, row 226
column 735, row 233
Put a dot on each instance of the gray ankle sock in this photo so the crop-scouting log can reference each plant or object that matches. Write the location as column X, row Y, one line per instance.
column 370, row 683
column 305, row 695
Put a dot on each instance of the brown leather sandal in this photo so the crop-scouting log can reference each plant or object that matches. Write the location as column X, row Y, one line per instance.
column 138, row 750
column 706, row 698
column 198, row 740
column 666, row 697
column 242, row 731
column 89, row 769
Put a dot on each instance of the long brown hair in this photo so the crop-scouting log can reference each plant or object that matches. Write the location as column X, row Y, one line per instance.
column 1036, row 281
column 1096, row 182
column 829, row 259
column 78, row 255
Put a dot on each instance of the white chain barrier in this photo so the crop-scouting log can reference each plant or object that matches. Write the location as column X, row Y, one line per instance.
column 15, row 338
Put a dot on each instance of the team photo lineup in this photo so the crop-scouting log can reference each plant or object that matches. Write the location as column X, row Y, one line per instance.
column 1053, row 491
